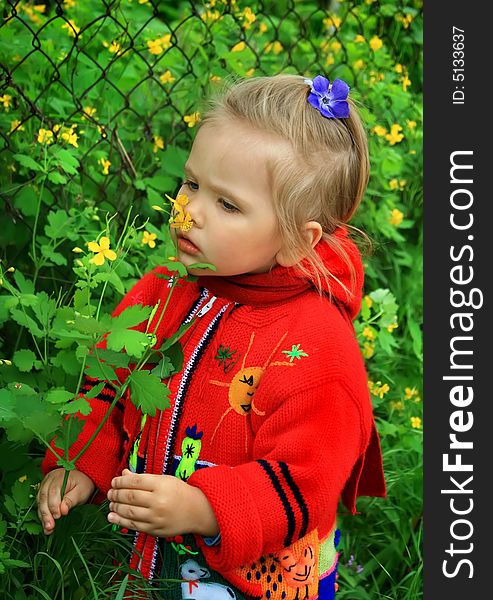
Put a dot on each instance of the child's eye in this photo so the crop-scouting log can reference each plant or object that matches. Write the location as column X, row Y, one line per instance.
column 227, row 206
column 191, row 185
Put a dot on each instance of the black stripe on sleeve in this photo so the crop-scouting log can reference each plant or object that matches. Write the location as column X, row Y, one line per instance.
column 298, row 495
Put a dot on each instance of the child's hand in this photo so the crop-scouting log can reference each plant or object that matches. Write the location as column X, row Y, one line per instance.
column 50, row 507
column 161, row 505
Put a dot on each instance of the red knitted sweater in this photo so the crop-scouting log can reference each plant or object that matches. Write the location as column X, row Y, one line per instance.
column 274, row 380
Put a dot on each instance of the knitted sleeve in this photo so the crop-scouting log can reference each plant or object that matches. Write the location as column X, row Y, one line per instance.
column 304, row 452
column 101, row 460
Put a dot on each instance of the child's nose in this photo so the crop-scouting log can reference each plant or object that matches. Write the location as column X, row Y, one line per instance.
column 195, row 209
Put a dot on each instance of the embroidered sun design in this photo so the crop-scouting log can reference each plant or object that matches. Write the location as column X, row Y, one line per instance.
column 244, row 384
column 295, row 352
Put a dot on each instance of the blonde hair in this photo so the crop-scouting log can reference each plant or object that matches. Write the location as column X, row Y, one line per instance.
column 323, row 179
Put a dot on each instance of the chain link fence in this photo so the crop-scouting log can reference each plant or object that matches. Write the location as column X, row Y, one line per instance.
column 103, row 96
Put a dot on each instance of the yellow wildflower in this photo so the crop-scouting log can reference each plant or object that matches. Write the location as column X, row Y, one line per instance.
column 6, row 100
column 379, row 130
column 192, row 119
column 180, row 219
column 276, row 47
column 250, row 72
column 159, row 45
column 215, row 78
column 415, row 422
column 368, row 349
column 106, row 164
column 359, row 39
column 114, row 47
column 238, row 47
column 332, row 22
column 382, row 390
column 392, row 326
column 375, row 43
column 398, row 68
column 406, row 82
column 397, row 405
column 249, row 17
column 72, row 28
column 330, row 60
column 369, row 333
column 102, row 131
column 411, row 124
column 101, row 251
column 69, row 3
column 166, row 77
column 410, row 393
column 87, row 111
column 359, row 64
column 393, row 184
column 368, row 301
column 16, row 124
column 394, row 136
column 406, row 20
column 336, row 46
column 148, row 238
column 41, row 8
column 396, row 217
column 45, row 136
column 262, row 28
column 158, row 143
column 210, row 16
column 70, row 136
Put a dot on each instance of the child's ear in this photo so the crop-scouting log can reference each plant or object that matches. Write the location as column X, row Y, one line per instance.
column 313, row 234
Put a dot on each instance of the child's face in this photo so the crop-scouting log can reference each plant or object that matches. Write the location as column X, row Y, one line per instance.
column 227, row 182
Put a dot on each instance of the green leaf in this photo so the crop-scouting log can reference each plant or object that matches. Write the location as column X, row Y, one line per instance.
column 164, row 368
column 20, row 494
column 134, row 342
column 7, row 402
column 58, row 396
column 95, row 390
column 57, row 224
column 131, row 317
column 55, row 257
column 25, row 286
column 24, row 360
column 79, row 405
column 176, row 336
column 27, row 161
column 147, row 392
column 118, row 360
column 57, row 178
column 67, row 360
column 26, row 321
column 67, row 161
column 100, row 370
column 26, row 201
column 202, row 266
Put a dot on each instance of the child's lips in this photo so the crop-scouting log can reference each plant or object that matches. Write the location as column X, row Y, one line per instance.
column 185, row 245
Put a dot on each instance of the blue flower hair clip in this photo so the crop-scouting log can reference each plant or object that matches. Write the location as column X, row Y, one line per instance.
column 329, row 99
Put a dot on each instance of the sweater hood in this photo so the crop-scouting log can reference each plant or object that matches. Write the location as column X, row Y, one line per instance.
column 281, row 283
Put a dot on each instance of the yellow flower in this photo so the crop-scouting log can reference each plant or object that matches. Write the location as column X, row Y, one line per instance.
column 332, row 22
column 69, row 3
column 148, row 238
column 406, row 20
column 106, row 164
column 398, row 68
column 250, row 72
column 45, row 136
column 210, row 16
column 359, row 64
column 369, row 333
column 70, row 136
column 158, row 143
column 276, row 47
column 101, row 251
column 391, row 327
column 87, row 111
column 410, row 393
column 375, row 43
column 336, row 46
column 249, row 17
column 406, row 82
column 330, row 60
column 215, row 78
column 359, row 39
column 238, row 47
column 72, row 28
column 379, row 130
column 166, row 77
column 114, row 47
column 6, row 99
column 415, row 422
column 411, row 124
column 16, row 124
column 396, row 217
column 262, row 28
column 368, row 301
column 180, row 219
column 368, row 349
column 383, row 390
column 192, row 119
column 397, row 405
column 159, row 45
column 394, row 136
column 393, row 184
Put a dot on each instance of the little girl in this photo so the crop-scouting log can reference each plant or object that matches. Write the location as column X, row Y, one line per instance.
column 235, row 487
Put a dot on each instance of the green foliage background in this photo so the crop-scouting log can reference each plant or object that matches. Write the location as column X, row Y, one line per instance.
column 93, row 100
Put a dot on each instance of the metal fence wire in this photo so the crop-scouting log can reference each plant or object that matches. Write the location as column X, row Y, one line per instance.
column 111, row 89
